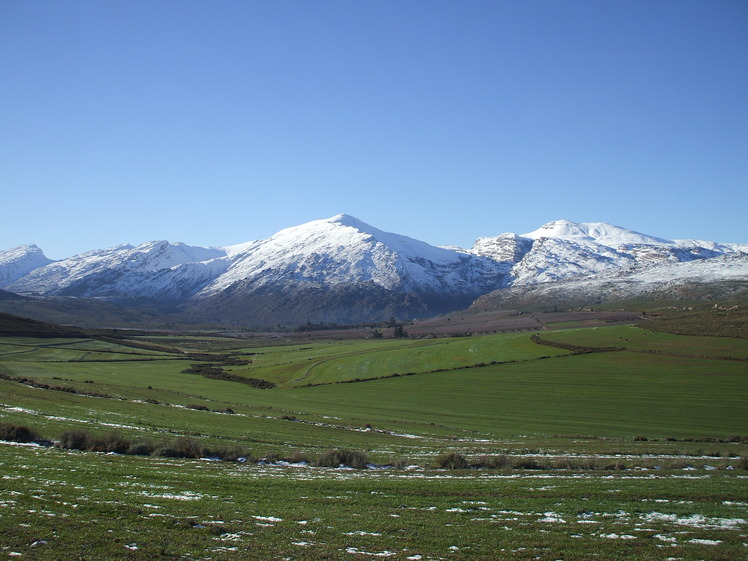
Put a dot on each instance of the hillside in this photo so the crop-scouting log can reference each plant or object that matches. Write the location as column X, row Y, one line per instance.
column 15, row 326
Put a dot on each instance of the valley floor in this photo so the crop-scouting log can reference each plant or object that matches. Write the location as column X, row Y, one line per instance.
column 610, row 442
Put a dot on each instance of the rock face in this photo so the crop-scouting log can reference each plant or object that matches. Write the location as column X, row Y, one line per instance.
column 341, row 270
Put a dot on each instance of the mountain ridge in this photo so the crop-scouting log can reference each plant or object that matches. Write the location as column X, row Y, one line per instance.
column 341, row 269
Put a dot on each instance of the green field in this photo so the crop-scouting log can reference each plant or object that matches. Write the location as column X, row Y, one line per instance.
column 638, row 452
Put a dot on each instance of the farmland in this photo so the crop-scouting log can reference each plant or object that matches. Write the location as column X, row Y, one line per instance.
column 614, row 442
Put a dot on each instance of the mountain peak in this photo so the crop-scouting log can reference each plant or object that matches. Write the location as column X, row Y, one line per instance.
column 596, row 232
column 345, row 219
column 19, row 261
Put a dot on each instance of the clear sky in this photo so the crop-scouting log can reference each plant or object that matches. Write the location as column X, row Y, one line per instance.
column 219, row 122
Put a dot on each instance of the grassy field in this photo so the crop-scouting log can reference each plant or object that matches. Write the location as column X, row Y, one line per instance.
column 638, row 452
column 66, row 505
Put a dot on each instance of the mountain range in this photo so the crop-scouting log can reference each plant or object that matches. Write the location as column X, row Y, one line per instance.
column 342, row 270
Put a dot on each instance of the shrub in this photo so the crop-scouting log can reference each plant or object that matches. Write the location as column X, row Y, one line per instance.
column 17, row 433
column 452, row 460
column 197, row 407
column 493, row 462
column 338, row 458
column 528, row 463
column 140, row 448
column 111, row 442
column 183, row 447
column 298, row 458
column 76, row 439
column 563, row 463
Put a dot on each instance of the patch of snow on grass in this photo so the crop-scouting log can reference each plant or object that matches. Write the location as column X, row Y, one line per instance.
column 664, row 538
column 356, row 551
column 268, row 518
column 185, row 496
column 552, row 517
column 695, row 521
column 614, row 536
column 704, row 542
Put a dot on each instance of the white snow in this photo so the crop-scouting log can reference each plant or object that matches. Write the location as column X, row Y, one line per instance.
column 695, row 521
column 19, row 261
column 343, row 250
column 597, row 232
column 701, row 541
column 268, row 518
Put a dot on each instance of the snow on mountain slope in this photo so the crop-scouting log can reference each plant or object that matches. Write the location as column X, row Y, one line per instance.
column 147, row 270
column 553, row 259
column 725, row 276
column 341, row 269
column 345, row 250
column 509, row 248
column 20, row 261
column 562, row 250
column 596, row 232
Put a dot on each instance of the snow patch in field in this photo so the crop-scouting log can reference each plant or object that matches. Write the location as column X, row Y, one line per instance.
column 664, row 538
column 695, row 521
column 184, row 496
column 552, row 517
column 704, row 542
column 272, row 519
column 356, row 551
column 614, row 536
column 26, row 444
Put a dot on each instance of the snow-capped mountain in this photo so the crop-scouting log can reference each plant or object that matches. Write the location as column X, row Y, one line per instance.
column 342, row 270
column 562, row 250
column 20, row 261
column 722, row 277
column 151, row 270
column 344, row 250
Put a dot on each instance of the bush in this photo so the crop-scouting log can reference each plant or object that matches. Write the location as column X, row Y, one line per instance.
column 111, row 442
column 182, row 447
column 17, row 433
column 528, row 463
column 141, row 448
column 197, row 407
column 225, row 453
column 338, row 458
column 452, row 460
column 493, row 462
column 77, row 439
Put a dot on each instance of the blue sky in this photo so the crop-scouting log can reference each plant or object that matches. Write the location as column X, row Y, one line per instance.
column 215, row 123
